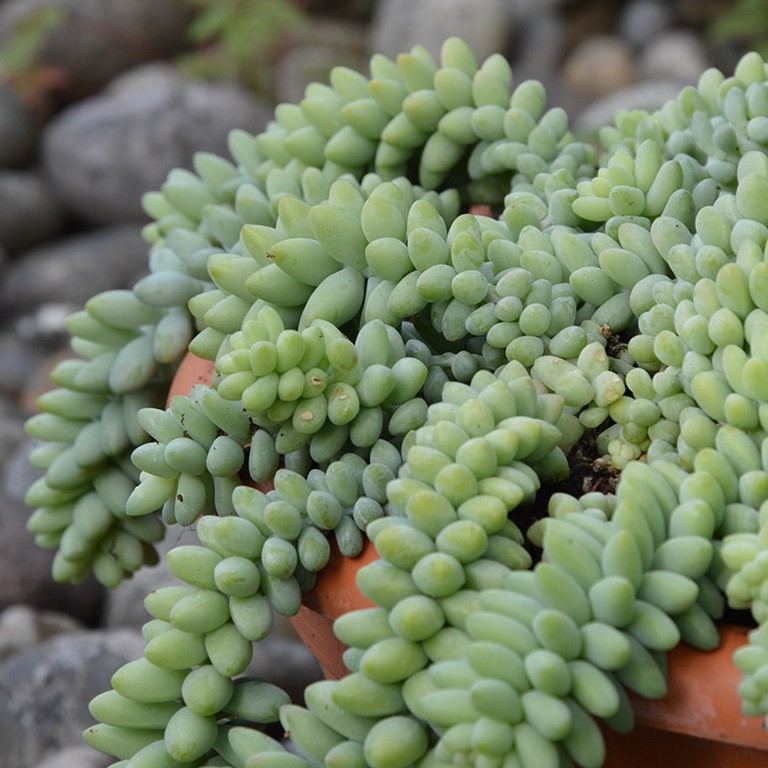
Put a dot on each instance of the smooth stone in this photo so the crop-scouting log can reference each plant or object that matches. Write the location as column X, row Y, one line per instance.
column 25, row 568
column 30, row 214
column 21, row 360
column 539, row 42
column 401, row 24
column 640, row 21
column 599, row 65
column 649, row 95
column 327, row 43
column 75, row 268
column 44, row 326
column 19, row 129
column 12, row 434
column 530, row 8
column 103, row 153
column 22, row 626
column 45, row 691
column 17, row 473
column 678, row 54
column 80, row 756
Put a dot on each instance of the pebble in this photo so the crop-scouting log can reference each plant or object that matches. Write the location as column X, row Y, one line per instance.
column 19, row 129
column 80, row 756
column 678, row 54
column 43, row 328
column 525, row 9
column 21, row 627
column 20, row 361
column 30, row 214
column 400, row 24
column 540, row 40
column 25, row 571
column 74, row 268
column 640, row 21
column 103, row 153
column 648, row 95
column 12, row 433
column 45, row 690
column 599, row 65
column 17, row 473
column 326, row 44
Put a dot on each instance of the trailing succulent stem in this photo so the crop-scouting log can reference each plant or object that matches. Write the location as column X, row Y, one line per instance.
column 412, row 372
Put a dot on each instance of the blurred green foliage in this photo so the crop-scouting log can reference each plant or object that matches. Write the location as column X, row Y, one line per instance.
column 744, row 22
column 239, row 39
column 20, row 65
column 20, row 53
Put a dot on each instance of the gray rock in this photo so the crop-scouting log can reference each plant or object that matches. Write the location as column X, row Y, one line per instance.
column 599, row 65
column 524, row 9
column 210, row 110
column 19, row 129
column 92, row 41
column 30, row 213
column 21, row 627
column 44, row 691
column 12, row 433
column 649, row 95
column 327, row 43
column 80, row 756
column 540, row 40
column 75, row 268
column 400, row 24
column 678, row 54
column 103, row 153
column 44, row 325
column 17, row 473
column 641, row 20
column 25, row 571
column 39, row 381
column 18, row 630
column 19, row 363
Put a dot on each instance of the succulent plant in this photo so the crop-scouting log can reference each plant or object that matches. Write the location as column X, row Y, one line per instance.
column 549, row 418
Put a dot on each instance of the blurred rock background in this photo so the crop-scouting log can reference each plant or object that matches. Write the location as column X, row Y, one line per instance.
column 99, row 100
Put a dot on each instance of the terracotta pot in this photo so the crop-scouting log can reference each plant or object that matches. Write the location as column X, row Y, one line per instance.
column 333, row 595
column 699, row 723
column 192, row 370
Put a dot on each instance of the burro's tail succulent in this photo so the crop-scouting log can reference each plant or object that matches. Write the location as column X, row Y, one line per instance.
column 549, row 419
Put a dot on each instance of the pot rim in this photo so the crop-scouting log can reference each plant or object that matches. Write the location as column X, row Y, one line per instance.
column 702, row 698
